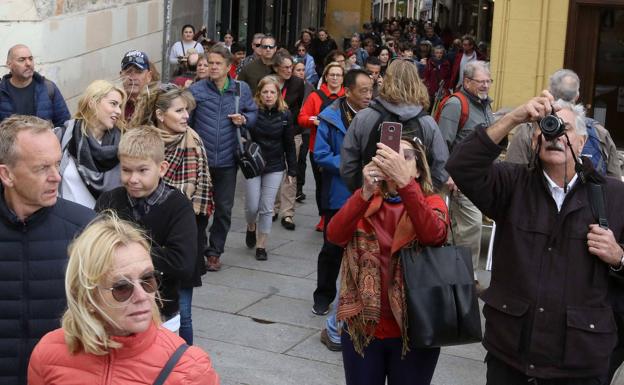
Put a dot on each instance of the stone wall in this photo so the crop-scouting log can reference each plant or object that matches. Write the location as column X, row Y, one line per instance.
column 77, row 41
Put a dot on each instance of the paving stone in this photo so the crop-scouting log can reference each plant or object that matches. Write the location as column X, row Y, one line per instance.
column 286, row 265
column 261, row 281
column 285, row 310
column 301, row 250
column 312, row 348
column 472, row 351
column 453, row 370
column 244, row 331
column 223, row 298
column 241, row 365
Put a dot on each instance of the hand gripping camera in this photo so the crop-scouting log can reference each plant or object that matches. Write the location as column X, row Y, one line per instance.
column 552, row 126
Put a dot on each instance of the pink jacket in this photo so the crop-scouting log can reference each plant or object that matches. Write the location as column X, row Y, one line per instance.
column 139, row 361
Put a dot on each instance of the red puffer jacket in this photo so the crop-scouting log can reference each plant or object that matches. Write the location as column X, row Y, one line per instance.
column 139, row 361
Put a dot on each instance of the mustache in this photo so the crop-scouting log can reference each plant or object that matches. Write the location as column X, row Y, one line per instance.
column 555, row 146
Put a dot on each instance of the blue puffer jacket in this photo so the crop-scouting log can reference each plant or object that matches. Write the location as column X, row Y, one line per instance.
column 210, row 119
column 329, row 136
column 33, row 257
column 54, row 110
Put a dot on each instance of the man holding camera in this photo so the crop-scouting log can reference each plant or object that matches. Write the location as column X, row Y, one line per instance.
column 548, row 318
column 457, row 120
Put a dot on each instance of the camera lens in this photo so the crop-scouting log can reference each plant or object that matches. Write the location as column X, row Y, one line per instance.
column 552, row 127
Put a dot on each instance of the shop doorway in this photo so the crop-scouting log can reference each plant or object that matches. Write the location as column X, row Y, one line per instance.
column 595, row 50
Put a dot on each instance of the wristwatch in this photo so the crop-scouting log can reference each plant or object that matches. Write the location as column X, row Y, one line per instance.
column 620, row 266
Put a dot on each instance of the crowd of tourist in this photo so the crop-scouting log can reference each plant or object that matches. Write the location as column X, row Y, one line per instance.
column 113, row 215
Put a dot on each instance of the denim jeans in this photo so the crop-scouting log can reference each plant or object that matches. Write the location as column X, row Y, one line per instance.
column 186, row 321
column 334, row 327
column 223, row 188
column 260, row 196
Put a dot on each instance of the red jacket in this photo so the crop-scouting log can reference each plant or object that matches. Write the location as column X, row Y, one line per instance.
column 423, row 218
column 434, row 72
column 456, row 64
column 139, row 361
column 312, row 107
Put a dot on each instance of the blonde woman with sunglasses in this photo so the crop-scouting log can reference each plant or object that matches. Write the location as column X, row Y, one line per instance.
column 110, row 329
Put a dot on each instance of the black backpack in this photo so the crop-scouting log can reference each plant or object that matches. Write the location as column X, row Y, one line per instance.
column 411, row 128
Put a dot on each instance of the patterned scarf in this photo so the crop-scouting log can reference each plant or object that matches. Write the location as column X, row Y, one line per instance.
column 188, row 168
column 360, row 284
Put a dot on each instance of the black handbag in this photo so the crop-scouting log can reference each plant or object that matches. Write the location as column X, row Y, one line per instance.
column 442, row 305
column 249, row 156
column 248, row 153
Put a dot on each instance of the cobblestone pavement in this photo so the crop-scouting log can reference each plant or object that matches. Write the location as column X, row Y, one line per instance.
column 254, row 318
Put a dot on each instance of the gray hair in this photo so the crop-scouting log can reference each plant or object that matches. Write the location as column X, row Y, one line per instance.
column 476, row 65
column 565, row 84
column 579, row 114
column 11, row 127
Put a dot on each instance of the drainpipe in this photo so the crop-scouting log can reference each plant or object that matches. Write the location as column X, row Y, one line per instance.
column 166, row 40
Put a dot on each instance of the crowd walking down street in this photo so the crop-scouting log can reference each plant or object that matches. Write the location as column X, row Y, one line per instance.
column 132, row 248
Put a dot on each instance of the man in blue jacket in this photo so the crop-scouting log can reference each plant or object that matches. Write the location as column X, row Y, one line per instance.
column 24, row 91
column 335, row 119
column 35, row 229
column 216, row 122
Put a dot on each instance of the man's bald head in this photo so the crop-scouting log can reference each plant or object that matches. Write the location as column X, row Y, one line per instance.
column 12, row 50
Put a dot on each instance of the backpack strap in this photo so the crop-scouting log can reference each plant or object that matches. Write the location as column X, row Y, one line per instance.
column 375, row 135
column 325, row 100
column 464, row 108
column 171, row 363
column 50, row 88
column 463, row 116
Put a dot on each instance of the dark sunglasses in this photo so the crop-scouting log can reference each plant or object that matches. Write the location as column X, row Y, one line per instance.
column 257, row 45
column 268, row 46
column 123, row 290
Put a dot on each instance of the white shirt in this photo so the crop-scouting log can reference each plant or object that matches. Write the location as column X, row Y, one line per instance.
column 73, row 188
column 557, row 192
column 178, row 50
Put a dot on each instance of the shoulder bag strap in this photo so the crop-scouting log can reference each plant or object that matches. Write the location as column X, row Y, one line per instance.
column 171, row 363
column 597, row 201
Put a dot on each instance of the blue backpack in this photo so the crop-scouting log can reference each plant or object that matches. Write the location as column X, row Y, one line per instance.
column 593, row 148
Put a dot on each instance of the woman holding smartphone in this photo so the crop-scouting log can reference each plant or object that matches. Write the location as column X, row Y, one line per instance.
column 396, row 208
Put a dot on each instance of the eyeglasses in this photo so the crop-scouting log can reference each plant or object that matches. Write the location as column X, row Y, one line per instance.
column 257, row 45
column 268, row 46
column 486, row 82
column 409, row 154
column 123, row 290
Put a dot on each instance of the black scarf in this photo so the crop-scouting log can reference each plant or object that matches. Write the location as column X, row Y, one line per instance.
column 97, row 163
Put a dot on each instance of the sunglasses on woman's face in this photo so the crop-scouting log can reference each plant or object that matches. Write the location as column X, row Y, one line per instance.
column 123, row 289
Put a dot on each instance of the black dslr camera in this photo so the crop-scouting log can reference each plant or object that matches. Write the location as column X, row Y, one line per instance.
column 552, row 126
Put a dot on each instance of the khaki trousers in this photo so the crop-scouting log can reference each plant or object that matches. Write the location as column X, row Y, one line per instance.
column 285, row 200
column 466, row 220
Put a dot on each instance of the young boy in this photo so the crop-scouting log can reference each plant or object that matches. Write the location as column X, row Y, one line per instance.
column 161, row 210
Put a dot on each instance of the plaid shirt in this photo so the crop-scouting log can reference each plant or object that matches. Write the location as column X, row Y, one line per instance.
column 188, row 171
column 142, row 206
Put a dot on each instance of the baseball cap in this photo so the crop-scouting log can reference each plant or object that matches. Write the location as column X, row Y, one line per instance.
column 136, row 58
